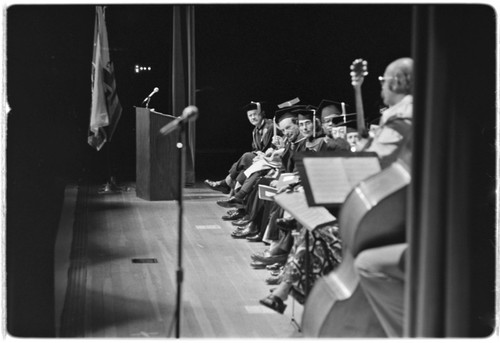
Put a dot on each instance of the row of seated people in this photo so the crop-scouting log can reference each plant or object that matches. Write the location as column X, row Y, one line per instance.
column 296, row 128
column 259, row 220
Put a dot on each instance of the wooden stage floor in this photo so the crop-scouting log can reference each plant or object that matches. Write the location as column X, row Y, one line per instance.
column 101, row 293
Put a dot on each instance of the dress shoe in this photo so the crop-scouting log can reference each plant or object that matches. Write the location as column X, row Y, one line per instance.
column 267, row 253
column 261, row 254
column 231, row 202
column 238, row 230
column 258, row 265
column 255, row 238
column 286, row 224
column 220, row 186
column 274, row 266
column 274, row 303
column 276, row 272
column 233, row 211
column 234, row 214
column 250, row 230
column 242, row 221
column 272, row 259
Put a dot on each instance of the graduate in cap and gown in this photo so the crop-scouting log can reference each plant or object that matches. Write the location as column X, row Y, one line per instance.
column 262, row 135
column 331, row 115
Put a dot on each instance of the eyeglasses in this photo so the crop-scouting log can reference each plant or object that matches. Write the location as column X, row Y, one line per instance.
column 383, row 79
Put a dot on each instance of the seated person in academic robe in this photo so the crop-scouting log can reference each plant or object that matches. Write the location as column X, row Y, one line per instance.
column 381, row 269
column 261, row 142
column 352, row 138
column 314, row 141
column 267, row 227
column 292, row 142
column 332, row 117
column 312, row 137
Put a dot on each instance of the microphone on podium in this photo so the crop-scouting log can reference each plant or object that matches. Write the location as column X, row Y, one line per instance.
column 155, row 90
column 190, row 113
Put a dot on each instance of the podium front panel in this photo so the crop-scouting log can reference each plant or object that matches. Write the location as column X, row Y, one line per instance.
column 157, row 157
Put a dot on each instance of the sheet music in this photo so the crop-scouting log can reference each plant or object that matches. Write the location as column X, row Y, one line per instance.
column 328, row 179
column 332, row 178
column 309, row 217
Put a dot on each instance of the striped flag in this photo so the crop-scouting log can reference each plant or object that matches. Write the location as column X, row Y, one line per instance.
column 106, row 109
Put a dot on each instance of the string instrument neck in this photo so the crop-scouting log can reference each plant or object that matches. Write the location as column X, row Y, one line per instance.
column 360, row 118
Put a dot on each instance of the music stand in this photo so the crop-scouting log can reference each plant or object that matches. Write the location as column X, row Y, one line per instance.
column 329, row 176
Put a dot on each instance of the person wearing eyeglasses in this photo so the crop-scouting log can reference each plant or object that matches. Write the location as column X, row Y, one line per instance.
column 396, row 122
column 381, row 269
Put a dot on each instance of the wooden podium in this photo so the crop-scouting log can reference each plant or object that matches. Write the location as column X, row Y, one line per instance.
column 157, row 157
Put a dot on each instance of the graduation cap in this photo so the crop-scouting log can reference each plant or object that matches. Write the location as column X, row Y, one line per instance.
column 350, row 124
column 306, row 113
column 287, row 112
column 289, row 103
column 335, row 110
column 343, row 128
column 256, row 105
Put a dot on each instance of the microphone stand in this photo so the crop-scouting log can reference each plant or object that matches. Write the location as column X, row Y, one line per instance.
column 180, row 273
column 188, row 114
column 147, row 101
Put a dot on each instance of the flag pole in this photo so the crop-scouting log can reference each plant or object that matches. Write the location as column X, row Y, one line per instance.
column 105, row 109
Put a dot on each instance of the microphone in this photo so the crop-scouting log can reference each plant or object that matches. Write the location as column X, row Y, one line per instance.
column 190, row 113
column 156, row 90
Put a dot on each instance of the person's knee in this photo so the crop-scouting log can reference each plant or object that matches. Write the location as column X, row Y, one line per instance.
column 365, row 263
column 380, row 262
column 247, row 158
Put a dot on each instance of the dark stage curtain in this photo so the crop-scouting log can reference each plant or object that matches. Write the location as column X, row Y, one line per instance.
column 451, row 289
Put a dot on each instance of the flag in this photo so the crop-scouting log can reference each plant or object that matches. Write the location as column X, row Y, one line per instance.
column 105, row 109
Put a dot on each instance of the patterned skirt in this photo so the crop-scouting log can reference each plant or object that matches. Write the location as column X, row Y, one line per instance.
column 325, row 254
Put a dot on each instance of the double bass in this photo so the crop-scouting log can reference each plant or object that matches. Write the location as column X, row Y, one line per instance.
column 373, row 215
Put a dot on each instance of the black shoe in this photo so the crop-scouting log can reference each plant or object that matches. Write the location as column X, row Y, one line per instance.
column 258, row 265
column 275, row 266
column 255, row 238
column 271, row 259
column 267, row 253
column 273, row 302
column 231, row 202
column 286, row 224
column 234, row 215
column 220, row 186
column 275, row 272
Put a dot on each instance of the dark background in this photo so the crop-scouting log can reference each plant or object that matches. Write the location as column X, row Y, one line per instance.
column 243, row 52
